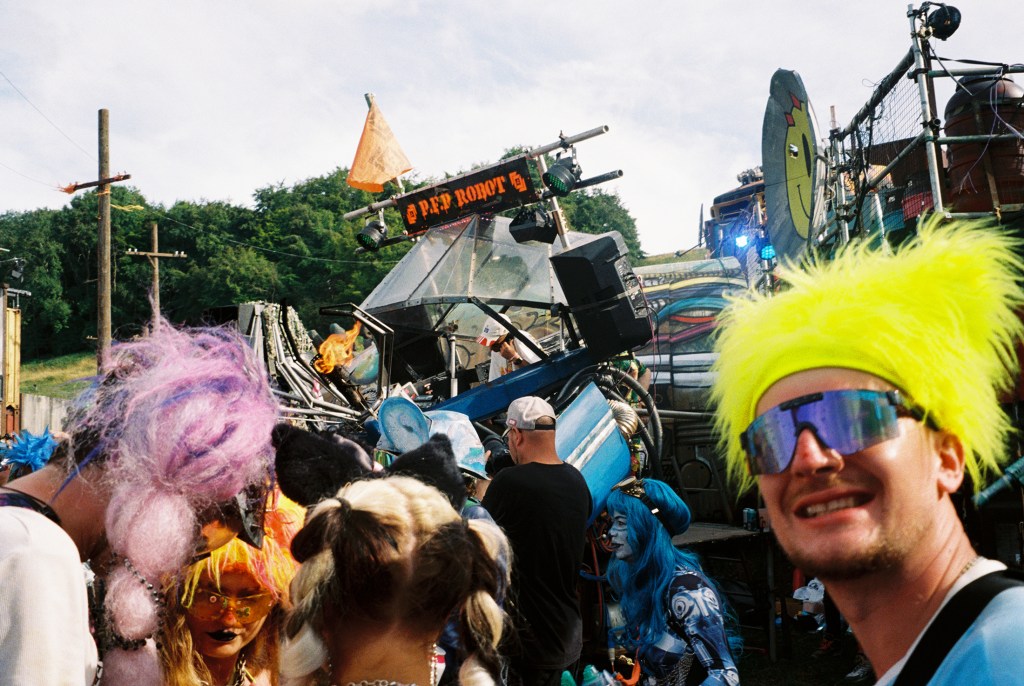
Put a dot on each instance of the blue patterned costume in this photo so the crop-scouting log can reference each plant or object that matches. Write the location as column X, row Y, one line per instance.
column 675, row 616
column 694, row 638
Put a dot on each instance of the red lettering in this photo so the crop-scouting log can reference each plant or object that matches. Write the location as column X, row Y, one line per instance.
column 410, row 214
column 460, row 197
column 500, row 183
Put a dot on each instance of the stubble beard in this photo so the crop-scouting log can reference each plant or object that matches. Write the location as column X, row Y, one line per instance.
column 879, row 556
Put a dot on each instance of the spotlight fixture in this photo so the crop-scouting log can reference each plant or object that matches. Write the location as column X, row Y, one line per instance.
column 741, row 240
column 943, row 21
column 533, row 224
column 373, row 234
column 18, row 272
column 563, row 175
column 768, row 252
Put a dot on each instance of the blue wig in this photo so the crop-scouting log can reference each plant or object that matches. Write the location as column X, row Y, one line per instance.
column 641, row 583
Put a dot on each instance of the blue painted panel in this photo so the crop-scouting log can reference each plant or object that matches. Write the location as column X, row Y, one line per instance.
column 588, row 438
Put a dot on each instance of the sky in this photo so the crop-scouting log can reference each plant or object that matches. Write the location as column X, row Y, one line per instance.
column 210, row 100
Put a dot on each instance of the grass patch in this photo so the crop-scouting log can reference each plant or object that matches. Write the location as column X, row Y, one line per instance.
column 668, row 258
column 58, row 377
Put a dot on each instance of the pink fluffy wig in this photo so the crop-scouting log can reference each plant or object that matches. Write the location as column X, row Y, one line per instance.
column 178, row 423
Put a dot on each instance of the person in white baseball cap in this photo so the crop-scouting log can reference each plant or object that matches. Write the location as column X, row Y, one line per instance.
column 543, row 505
column 507, row 354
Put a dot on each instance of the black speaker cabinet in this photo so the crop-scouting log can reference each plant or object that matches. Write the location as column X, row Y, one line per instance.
column 604, row 295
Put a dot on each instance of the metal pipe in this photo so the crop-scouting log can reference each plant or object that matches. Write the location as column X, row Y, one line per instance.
column 980, row 215
column 928, row 118
column 380, row 205
column 453, row 364
column 976, row 138
column 978, row 71
column 841, row 217
column 677, row 414
column 592, row 181
column 565, row 141
column 322, row 412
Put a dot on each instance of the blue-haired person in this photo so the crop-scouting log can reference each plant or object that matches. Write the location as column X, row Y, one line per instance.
column 676, row 619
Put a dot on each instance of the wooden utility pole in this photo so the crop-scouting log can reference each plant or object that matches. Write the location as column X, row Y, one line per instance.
column 103, row 245
column 154, row 259
column 103, row 238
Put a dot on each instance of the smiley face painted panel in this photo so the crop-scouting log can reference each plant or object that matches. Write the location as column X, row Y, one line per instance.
column 792, row 169
column 799, row 165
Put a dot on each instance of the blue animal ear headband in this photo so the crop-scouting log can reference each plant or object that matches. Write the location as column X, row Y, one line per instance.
column 635, row 487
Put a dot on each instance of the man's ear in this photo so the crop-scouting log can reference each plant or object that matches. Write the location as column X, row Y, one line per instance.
column 951, row 461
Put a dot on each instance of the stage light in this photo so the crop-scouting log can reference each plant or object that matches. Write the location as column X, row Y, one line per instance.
column 741, row 240
column 943, row 21
column 370, row 236
column 533, row 224
column 768, row 252
column 563, row 175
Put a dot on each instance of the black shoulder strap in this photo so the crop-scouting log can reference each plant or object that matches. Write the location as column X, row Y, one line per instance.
column 951, row 623
column 9, row 496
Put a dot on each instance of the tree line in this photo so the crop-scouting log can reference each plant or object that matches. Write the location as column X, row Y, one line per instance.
column 292, row 245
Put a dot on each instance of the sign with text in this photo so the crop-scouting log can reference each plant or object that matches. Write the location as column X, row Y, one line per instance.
column 489, row 190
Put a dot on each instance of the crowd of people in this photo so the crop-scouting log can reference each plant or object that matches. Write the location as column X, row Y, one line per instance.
column 224, row 548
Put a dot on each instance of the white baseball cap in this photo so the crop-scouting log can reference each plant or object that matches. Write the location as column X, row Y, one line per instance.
column 524, row 412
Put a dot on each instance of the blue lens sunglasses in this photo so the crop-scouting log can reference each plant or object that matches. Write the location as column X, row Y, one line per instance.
column 845, row 421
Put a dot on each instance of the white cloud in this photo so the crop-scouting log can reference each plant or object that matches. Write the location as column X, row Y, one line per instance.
column 213, row 100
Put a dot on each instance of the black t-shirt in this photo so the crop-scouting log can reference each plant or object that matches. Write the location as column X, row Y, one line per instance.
column 543, row 509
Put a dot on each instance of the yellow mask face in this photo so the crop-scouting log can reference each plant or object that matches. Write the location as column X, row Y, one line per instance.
column 799, row 165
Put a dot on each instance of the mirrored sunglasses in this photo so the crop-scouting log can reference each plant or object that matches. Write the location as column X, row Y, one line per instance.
column 846, row 421
column 209, row 605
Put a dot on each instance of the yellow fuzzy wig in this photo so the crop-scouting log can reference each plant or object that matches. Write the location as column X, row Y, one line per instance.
column 938, row 319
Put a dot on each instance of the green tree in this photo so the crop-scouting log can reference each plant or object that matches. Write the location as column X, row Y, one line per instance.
column 47, row 314
column 592, row 210
column 236, row 275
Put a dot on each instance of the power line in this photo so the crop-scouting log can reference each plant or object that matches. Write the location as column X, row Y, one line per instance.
column 30, row 178
column 41, row 114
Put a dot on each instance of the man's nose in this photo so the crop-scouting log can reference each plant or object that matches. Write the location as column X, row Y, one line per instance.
column 811, row 457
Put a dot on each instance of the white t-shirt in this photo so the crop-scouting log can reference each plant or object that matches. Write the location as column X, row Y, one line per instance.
column 501, row 366
column 44, row 610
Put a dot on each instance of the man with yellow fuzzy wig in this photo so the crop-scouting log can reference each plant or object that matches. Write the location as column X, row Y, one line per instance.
column 856, row 399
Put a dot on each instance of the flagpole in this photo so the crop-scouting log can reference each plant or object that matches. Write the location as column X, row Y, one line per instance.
column 369, row 105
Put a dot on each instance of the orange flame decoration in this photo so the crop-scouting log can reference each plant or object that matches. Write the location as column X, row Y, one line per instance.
column 336, row 351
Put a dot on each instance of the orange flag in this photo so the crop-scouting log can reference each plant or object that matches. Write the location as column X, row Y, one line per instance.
column 378, row 157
